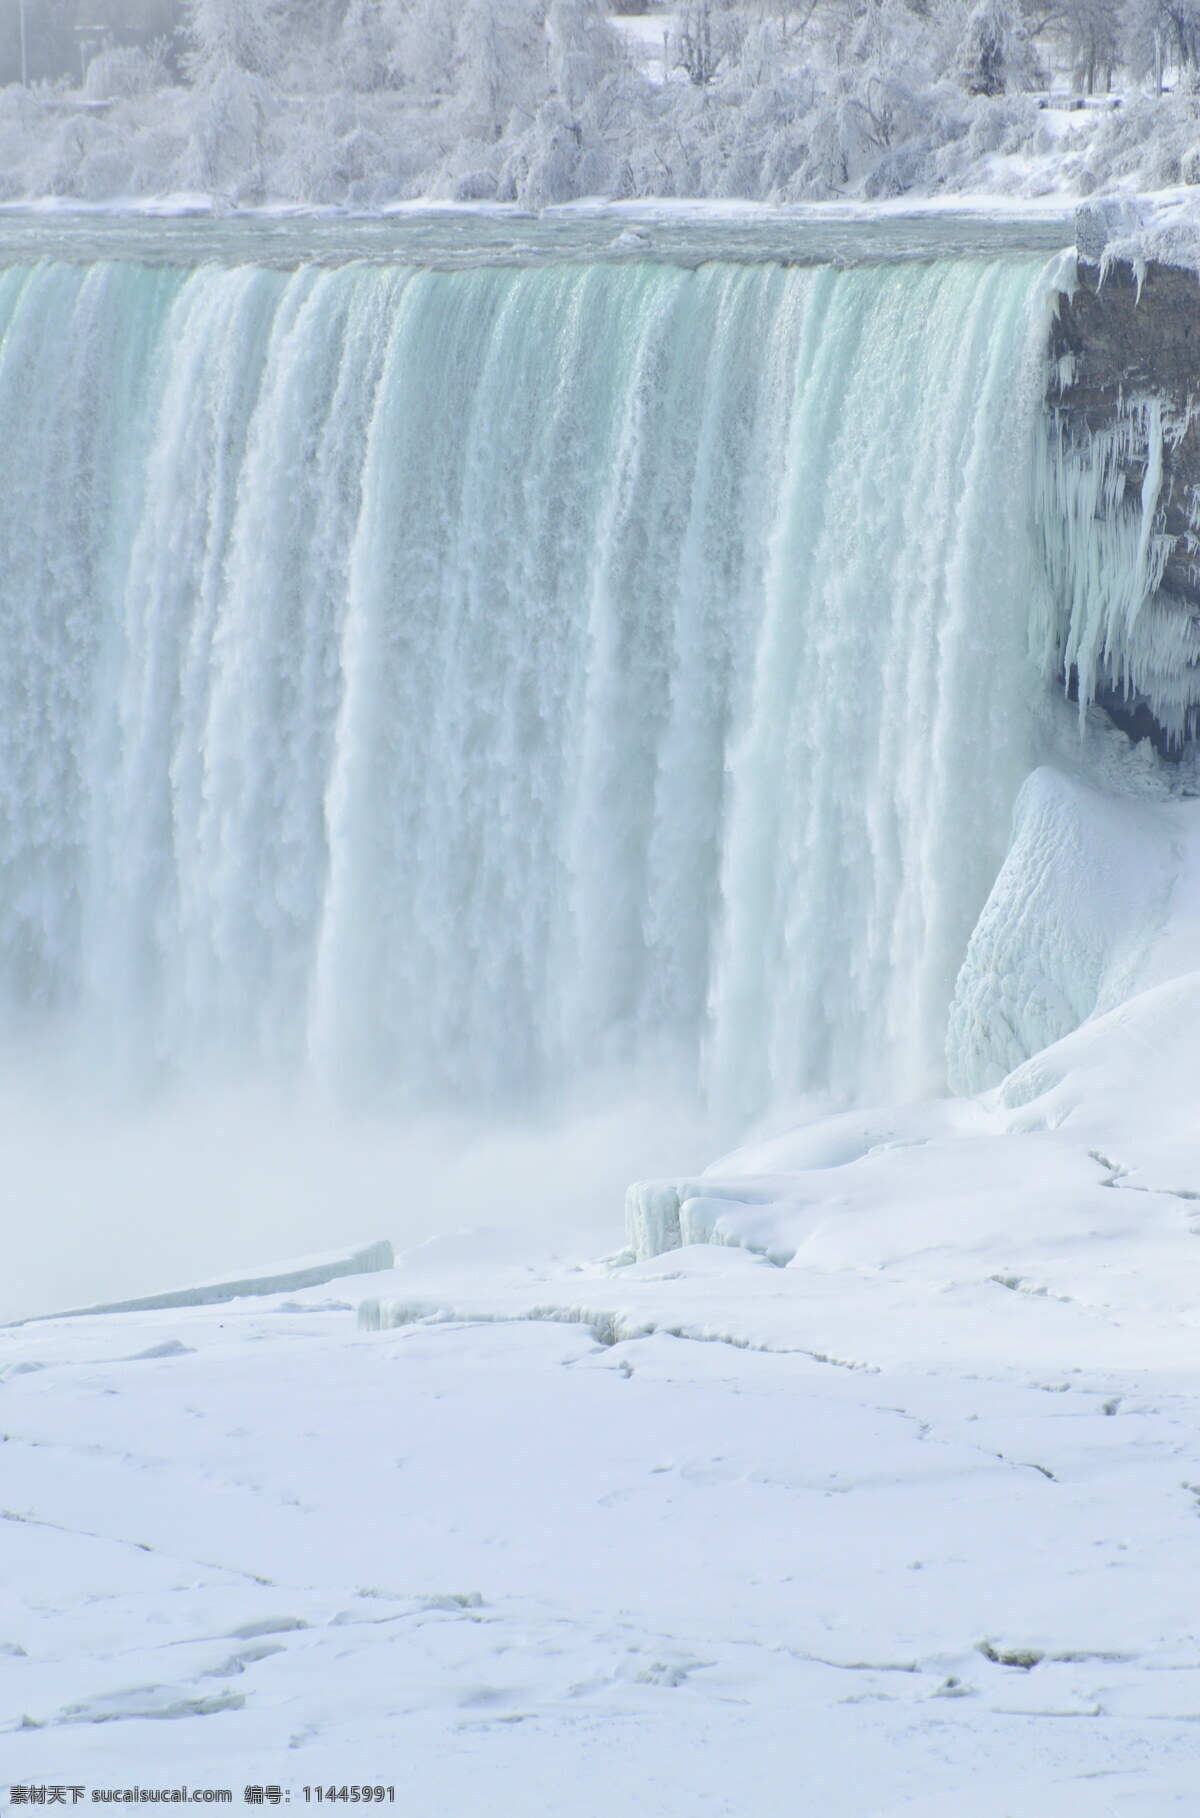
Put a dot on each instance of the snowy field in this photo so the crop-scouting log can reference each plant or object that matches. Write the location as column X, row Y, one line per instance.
column 885, row 1501
column 507, row 1567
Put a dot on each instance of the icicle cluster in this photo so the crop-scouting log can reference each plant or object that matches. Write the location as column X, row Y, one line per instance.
column 1104, row 622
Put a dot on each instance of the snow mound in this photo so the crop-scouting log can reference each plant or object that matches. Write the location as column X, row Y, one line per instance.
column 1124, row 1087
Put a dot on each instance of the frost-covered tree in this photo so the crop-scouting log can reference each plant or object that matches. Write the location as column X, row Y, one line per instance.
column 127, row 73
column 234, row 35
column 502, row 64
column 995, row 55
column 702, row 42
column 1086, row 34
column 239, row 51
column 573, row 146
column 225, row 148
column 539, row 101
column 1158, row 33
column 793, row 16
column 367, row 45
column 583, row 49
column 426, row 53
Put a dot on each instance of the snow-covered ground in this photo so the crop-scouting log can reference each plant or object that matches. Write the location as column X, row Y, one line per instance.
column 882, row 1546
column 507, row 1567
column 882, row 1500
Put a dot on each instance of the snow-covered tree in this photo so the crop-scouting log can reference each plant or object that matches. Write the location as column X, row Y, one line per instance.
column 367, row 51
column 426, row 51
column 702, row 42
column 234, row 35
column 502, row 64
column 539, row 101
column 1087, row 33
column 583, row 49
column 995, row 56
column 1160, row 33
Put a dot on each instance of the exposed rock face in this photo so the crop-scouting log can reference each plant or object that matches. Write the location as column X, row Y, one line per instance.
column 1124, row 394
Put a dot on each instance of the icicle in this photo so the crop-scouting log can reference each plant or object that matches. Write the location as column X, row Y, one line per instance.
column 1102, row 620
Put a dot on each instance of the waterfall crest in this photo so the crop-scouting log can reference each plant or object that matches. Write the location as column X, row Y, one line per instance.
column 460, row 686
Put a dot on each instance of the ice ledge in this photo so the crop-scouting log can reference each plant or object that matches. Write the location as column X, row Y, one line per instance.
column 281, row 1278
column 1162, row 226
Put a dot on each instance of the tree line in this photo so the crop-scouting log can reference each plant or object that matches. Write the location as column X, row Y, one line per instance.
column 360, row 102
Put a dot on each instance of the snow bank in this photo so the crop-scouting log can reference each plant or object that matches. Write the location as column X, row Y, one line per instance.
column 1124, row 1087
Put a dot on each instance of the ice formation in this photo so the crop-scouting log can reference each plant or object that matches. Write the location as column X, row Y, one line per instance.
column 1068, row 926
column 1103, row 558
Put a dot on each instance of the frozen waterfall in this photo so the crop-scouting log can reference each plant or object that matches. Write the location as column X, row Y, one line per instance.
column 461, row 687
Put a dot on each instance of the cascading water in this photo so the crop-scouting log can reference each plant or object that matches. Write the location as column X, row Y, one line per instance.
column 458, row 687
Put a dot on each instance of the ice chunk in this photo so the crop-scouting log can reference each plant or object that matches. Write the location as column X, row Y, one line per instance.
column 662, row 1215
column 652, row 1216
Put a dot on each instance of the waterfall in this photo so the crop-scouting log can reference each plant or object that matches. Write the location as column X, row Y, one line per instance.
column 460, row 687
